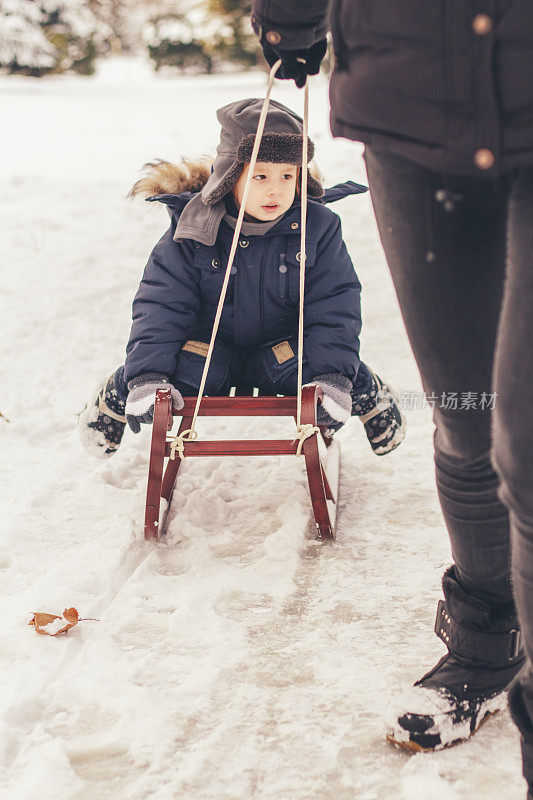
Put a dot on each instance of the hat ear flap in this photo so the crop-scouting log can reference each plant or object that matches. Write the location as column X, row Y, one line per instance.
column 222, row 187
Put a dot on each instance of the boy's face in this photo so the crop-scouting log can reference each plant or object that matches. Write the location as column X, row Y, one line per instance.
column 271, row 191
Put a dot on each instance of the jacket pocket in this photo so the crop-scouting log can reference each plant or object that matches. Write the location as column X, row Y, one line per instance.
column 292, row 262
column 190, row 367
column 279, row 360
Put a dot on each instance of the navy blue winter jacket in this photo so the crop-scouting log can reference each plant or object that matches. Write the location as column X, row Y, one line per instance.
column 179, row 291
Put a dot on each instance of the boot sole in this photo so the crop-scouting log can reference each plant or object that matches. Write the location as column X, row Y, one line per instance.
column 413, row 747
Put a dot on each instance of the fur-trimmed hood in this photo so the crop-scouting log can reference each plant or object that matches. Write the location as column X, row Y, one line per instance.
column 165, row 181
column 165, row 177
column 179, row 187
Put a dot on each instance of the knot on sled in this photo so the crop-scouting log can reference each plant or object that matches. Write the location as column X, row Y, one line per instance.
column 320, row 452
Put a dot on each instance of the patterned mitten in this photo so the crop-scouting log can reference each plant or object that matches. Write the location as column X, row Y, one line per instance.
column 336, row 406
column 102, row 422
column 141, row 398
column 378, row 409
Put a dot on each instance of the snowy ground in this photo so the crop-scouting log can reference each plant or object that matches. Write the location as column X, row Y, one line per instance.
column 237, row 659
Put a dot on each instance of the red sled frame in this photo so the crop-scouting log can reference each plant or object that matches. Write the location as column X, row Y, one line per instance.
column 323, row 491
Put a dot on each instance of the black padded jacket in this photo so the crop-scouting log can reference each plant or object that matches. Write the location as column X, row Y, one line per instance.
column 446, row 84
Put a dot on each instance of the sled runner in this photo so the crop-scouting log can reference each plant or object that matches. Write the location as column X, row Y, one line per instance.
column 321, row 453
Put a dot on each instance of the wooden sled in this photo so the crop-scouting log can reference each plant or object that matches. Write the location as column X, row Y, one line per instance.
column 321, row 453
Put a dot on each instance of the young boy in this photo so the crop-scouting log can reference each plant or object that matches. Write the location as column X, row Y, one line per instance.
column 256, row 345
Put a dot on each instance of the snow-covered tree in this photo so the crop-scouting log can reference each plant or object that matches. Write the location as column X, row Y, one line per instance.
column 76, row 32
column 24, row 46
column 43, row 36
column 200, row 35
column 122, row 29
column 184, row 40
column 235, row 14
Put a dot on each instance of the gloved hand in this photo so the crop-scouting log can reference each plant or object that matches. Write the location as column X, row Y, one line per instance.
column 141, row 398
column 293, row 68
column 336, row 406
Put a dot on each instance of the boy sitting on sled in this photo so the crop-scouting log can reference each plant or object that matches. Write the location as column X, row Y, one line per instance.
column 174, row 308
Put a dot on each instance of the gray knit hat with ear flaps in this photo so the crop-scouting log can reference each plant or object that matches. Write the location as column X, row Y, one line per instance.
column 281, row 144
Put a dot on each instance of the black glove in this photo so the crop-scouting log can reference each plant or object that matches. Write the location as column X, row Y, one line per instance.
column 293, row 68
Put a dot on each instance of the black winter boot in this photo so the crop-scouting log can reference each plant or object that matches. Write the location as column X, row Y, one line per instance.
column 521, row 708
column 469, row 684
column 376, row 405
column 101, row 424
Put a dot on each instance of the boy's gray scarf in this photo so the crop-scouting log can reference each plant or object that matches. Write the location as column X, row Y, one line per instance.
column 201, row 222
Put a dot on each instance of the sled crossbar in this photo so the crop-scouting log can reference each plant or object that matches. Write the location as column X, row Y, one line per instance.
column 323, row 489
column 238, row 447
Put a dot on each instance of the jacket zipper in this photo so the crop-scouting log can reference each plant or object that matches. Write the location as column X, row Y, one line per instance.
column 261, row 293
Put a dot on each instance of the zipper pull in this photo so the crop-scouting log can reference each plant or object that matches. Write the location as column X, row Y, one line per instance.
column 282, row 276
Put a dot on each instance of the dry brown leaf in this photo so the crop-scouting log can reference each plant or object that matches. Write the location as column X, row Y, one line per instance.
column 40, row 621
column 71, row 615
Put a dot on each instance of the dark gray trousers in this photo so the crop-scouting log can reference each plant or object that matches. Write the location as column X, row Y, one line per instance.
column 460, row 252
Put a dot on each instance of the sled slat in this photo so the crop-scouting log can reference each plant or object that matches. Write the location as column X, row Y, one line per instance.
column 241, row 407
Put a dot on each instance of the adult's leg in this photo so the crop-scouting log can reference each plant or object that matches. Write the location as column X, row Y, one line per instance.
column 445, row 245
column 444, row 240
column 513, row 432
